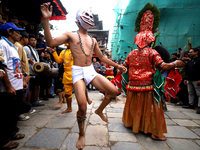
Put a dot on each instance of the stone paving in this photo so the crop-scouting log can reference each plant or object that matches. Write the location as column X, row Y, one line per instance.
column 48, row 129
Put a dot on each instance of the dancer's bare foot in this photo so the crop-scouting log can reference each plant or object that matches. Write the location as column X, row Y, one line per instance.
column 81, row 142
column 66, row 111
column 89, row 101
column 58, row 105
column 157, row 138
column 104, row 118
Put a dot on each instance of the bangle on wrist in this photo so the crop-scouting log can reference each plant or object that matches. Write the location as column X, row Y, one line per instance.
column 174, row 64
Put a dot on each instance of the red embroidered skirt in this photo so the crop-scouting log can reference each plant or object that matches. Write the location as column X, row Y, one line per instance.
column 142, row 113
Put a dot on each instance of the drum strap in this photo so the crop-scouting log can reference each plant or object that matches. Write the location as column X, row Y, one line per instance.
column 32, row 53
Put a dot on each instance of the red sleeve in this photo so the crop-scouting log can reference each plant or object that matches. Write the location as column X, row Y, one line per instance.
column 127, row 59
column 157, row 60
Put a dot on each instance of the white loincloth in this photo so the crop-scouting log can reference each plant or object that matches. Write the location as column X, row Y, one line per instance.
column 87, row 73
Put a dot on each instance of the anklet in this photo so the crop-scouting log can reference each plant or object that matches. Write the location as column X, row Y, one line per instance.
column 81, row 120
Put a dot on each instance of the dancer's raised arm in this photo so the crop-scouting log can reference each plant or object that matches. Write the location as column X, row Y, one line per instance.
column 46, row 10
column 106, row 60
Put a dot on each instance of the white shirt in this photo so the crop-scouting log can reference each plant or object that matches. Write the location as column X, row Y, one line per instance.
column 14, row 67
column 30, row 56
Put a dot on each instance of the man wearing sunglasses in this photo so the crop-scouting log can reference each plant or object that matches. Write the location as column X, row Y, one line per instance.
column 193, row 78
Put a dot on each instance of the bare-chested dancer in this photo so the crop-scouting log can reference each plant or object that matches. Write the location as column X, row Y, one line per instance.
column 83, row 73
column 67, row 59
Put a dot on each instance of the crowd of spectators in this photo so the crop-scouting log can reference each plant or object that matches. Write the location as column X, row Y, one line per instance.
column 189, row 96
column 21, row 87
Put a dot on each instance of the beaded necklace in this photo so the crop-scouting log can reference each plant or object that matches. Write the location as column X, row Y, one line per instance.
column 82, row 44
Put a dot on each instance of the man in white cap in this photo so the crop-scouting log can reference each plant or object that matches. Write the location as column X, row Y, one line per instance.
column 82, row 47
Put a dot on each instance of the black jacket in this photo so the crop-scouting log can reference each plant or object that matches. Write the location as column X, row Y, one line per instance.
column 193, row 69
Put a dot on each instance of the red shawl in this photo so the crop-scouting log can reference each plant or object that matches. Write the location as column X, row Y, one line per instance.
column 172, row 84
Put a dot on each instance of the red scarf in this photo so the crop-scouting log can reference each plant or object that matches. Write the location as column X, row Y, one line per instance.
column 172, row 84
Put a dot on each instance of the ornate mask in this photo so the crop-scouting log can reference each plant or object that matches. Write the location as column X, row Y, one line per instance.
column 85, row 19
column 145, row 35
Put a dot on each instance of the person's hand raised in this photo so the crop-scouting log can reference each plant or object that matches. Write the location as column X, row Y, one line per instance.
column 52, row 49
column 46, row 12
column 179, row 63
column 122, row 68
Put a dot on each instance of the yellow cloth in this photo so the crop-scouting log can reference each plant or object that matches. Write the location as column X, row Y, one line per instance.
column 68, row 90
column 23, row 58
column 67, row 75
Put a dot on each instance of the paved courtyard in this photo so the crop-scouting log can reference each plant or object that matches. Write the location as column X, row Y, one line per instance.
column 48, row 129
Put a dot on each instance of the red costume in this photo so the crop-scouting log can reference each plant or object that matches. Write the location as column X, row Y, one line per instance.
column 141, row 111
column 142, row 65
column 109, row 74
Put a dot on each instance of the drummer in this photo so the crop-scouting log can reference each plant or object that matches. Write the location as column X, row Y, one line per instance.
column 46, row 81
column 33, row 57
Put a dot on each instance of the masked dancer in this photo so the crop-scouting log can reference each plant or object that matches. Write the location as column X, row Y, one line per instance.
column 82, row 47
